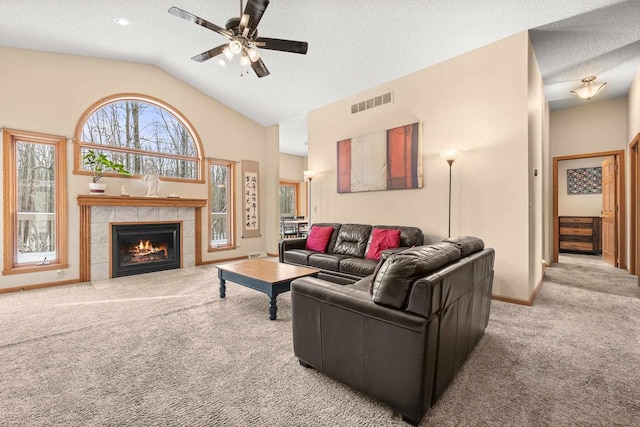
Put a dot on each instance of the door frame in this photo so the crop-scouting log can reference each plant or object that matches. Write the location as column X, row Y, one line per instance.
column 620, row 196
column 634, row 151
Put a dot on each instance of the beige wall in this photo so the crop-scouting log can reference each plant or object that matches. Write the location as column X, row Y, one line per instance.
column 46, row 92
column 577, row 204
column 634, row 108
column 537, row 139
column 477, row 103
column 591, row 128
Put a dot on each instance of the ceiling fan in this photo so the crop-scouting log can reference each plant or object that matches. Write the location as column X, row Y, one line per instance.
column 243, row 35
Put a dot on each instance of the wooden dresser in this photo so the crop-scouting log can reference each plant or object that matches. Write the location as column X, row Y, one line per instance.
column 580, row 234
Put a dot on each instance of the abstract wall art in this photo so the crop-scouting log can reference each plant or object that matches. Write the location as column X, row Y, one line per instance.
column 584, row 181
column 386, row 160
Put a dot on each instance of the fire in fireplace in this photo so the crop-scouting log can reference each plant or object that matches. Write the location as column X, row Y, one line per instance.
column 143, row 248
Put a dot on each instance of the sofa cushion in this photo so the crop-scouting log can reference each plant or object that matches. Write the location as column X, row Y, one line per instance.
column 467, row 244
column 298, row 256
column 358, row 266
column 326, row 261
column 318, row 238
column 393, row 282
column 409, row 236
column 334, row 236
column 352, row 240
column 382, row 239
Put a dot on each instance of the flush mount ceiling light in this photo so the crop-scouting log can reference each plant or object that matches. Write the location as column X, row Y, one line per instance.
column 589, row 88
column 242, row 33
column 122, row 21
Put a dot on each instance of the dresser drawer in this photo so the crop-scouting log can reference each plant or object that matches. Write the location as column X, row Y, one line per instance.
column 580, row 234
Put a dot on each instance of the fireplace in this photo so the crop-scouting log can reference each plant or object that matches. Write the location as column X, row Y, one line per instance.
column 143, row 248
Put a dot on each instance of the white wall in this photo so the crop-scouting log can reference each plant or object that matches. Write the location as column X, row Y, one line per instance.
column 577, row 204
column 476, row 102
column 47, row 93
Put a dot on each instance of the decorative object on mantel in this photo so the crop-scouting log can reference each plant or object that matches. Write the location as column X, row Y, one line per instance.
column 450, row 156
column 386, row 160
column 589, row 88
column 308, row 176
column 123, row 191
column 99, row 163
column 584, row 181
column 153, row 183
column 250, row 200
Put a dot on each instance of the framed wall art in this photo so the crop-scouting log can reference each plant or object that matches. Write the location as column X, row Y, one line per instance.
column 250, row 199
column 386, row 160
column 584, row 181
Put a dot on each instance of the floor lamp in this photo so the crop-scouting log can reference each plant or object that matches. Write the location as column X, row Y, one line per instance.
column 450, row 156
column 308, row 176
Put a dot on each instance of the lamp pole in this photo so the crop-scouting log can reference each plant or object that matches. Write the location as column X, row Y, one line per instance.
column 450, row 161
column 308, row 175
column 450, row 156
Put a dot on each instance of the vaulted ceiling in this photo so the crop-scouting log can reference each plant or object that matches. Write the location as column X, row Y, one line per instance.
column 352, row 45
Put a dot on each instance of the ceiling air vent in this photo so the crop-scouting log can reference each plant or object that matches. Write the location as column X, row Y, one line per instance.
column 385, row 98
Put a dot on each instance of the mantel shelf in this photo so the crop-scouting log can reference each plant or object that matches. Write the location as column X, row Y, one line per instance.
column 89, row 200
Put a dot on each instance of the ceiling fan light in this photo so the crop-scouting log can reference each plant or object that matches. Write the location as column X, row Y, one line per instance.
column 222, row 62
column 235, row 47
column 245, row 61
column 254, row 55
column 589, row 89
column 227, row 52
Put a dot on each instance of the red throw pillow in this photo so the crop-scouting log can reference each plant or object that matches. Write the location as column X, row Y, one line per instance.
column 318, row 238
column 382, row 239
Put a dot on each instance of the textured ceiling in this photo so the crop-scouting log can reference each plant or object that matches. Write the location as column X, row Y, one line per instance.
column 352, row 45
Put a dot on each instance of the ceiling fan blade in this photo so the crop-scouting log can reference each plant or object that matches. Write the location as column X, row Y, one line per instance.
column 199, row 21
column 260, row 69
column 210, row 53
column 282, row 45
column 255, row 9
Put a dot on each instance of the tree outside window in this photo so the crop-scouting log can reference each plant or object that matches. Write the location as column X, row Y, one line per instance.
column 144, row 134
column 221, row 205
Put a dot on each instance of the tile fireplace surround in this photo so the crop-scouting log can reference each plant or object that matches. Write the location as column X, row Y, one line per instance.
column 97, row 213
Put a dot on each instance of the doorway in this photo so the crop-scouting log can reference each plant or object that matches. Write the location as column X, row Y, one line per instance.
column 634, row 223
column 616, row 236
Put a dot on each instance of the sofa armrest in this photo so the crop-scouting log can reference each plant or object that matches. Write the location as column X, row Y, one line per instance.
column 287, row 244
column 354, row 300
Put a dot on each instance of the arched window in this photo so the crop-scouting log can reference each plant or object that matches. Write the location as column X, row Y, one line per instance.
column 143, row 133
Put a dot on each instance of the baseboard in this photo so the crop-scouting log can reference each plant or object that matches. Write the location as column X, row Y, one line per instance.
column 527, row 302
column 39, row 286
column 272, row 255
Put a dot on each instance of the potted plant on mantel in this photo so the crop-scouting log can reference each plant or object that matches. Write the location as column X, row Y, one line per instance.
column 99, row 164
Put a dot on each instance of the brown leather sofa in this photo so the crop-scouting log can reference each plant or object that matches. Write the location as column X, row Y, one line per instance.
column 405, row 342
column 344, row 259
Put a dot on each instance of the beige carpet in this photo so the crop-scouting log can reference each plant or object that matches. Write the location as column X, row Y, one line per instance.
column 163, row 349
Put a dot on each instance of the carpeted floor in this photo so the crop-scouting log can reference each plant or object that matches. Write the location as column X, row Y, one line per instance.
column 162, row 349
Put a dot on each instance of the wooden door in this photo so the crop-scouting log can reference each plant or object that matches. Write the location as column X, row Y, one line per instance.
column 609, row 210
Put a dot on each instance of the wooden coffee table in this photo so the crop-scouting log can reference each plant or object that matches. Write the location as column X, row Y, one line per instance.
column 269, row 277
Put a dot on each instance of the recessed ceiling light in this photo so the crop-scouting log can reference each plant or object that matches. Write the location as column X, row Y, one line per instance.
column 122, row 21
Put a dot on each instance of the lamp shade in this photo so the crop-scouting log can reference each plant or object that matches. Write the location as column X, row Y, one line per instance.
column 589, row 88
column 308, row 175
column 450, row 155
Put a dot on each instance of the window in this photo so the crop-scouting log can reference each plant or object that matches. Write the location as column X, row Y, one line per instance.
column 288, row 199
column 143, row 133
column 221, row 205
column 34, row 202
